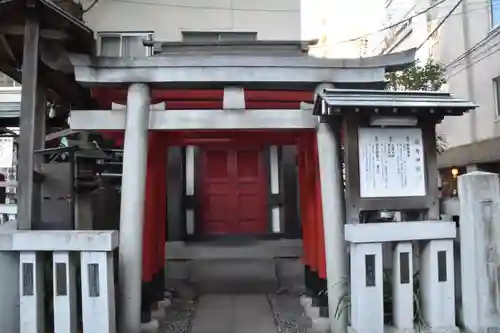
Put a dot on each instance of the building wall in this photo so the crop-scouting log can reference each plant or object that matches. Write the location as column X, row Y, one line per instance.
column 472, row 77
column 271, row 19
column 410, row 34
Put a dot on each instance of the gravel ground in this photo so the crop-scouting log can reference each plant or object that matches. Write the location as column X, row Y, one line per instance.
column 289, row 314
column 178, row 318
column 180, row 313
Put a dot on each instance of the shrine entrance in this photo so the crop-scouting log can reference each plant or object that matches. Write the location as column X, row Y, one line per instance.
column 233, row 191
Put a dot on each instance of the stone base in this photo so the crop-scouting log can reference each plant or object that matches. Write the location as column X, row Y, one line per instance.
column 320, row 325
column 305, row 301
column 312, row 311
column 151, row 327
column 158, row 313
column 164, row 303
column 392, row 329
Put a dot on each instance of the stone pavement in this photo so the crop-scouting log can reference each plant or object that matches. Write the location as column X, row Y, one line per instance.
column 233, row 313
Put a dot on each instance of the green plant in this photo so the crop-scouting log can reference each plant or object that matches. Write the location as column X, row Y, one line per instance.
column 344, row 302
column 427, row 76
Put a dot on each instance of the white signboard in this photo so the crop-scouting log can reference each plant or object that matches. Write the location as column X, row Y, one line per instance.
column 6, row 152
column 391, row 162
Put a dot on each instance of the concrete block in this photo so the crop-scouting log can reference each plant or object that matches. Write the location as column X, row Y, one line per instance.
column 32, row 293
column 158, row 314
column 320, row 325
column 402, row 286
column 479, row 194
column 98, row 292
column 152, row 326
column 367, row 299
column 311, row 311
column 437, row 283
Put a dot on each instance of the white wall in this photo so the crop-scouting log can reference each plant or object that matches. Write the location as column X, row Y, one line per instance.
column 482, row 123
column 271, row 19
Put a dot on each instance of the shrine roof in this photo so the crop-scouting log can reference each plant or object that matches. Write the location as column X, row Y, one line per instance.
column 60, row 33
column 341, row 102
column 261, row 70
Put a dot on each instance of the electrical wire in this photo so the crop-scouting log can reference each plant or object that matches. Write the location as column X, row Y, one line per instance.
column 440, row 24
column 208, row 7
column 481, row 7
column 478, row 60
column 395, row 24
column 480, row 43
column 91, row 6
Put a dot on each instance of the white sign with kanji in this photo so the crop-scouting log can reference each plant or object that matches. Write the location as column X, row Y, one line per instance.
column 6, row 152
column 391, row 162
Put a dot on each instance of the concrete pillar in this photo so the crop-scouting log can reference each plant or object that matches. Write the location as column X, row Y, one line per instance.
column 132, row 206
column 64, row 291
column 479, row 194
column 402, row 286
column 31, row 306
column 98, row 292
column 367, row 290
column 437, row 285
column 333, row 208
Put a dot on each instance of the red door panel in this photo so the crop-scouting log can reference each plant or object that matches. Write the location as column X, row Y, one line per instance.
column 250, row 191
column 216, row 203
column 233, row 191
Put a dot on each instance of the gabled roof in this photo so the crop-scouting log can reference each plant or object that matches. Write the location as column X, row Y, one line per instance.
column 341, row 102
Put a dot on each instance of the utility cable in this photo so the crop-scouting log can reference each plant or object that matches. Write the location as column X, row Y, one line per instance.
column 480, row 43
column 395, row 24
column 440, row 24
column 478, row 60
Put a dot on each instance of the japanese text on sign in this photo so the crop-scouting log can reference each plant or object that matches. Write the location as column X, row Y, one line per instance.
column 391, row 162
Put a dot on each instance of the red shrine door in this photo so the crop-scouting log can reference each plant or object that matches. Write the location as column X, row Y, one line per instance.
column 233, row 191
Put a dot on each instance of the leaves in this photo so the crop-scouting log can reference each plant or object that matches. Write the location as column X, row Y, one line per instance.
column 428, row 76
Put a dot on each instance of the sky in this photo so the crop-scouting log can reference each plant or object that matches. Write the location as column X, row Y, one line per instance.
column 340, row 19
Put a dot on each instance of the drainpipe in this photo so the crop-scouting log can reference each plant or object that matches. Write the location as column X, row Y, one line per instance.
column 132, row 207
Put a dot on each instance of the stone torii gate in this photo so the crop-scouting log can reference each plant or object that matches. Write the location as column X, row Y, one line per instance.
column 146, row 80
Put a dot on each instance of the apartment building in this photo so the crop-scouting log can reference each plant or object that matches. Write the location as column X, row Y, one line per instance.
column 123, row 24
column 411, row 33
column 468, row 46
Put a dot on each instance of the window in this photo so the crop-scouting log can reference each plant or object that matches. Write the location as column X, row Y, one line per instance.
column 124, row 44
column 207, row 37
column 496, row 92
column 6, row 81
column 495, row 12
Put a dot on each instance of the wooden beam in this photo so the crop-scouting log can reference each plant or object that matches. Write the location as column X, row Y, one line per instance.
column 31, row 122
column 6, row 47
column 18, row 30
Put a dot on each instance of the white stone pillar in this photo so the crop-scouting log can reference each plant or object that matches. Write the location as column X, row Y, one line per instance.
column 132, row 206
column 275, row 186
column 32, row 293
column 367, row 290
column 479, row 194
column 402, row 286
column 64, row 291
column 190, row 173
column 333, row 223
column 437, row 284
column 98, row 292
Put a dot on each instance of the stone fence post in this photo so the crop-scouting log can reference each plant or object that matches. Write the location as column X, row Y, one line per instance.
column 479, row 194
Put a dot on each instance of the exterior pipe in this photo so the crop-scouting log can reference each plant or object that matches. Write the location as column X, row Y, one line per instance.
column 333, row 213
column 132, row 207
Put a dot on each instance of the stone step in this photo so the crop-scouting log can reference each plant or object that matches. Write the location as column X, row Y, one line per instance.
column 233, row 276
